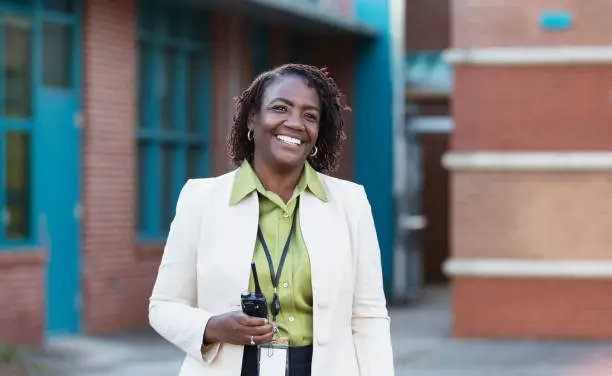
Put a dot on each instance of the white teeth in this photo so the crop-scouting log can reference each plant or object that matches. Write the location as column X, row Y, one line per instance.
column 289, row 140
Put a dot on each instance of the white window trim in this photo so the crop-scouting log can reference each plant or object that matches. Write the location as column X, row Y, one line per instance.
column 431, row 124
column 528, row 268
column 528, row 161
column 562, row 55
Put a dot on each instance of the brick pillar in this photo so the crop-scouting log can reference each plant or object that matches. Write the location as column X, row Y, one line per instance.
column 231, row 62
column 531, row 172
column 117, row 279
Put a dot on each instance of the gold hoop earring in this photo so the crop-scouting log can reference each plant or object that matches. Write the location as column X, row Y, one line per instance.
column 250, row 134
column 314, row 152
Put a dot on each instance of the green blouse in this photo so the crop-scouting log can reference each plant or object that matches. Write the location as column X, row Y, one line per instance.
column 294, row 287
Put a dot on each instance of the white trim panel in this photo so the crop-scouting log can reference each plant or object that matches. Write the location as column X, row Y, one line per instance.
column 579, row 55
column 583, row 269
column 431, row 124
column 528, row 161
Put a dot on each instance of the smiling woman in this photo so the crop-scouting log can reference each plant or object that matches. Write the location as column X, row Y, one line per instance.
column 274, row 93
column 285, row 129
column 310, row 237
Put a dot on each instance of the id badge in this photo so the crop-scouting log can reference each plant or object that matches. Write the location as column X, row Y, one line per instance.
column 273, row 359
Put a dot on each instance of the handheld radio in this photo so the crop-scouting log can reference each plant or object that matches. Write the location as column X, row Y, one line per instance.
column 254, row 303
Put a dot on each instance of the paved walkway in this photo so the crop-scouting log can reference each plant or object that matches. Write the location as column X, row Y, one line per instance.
column 420, row 339
column 422, row 347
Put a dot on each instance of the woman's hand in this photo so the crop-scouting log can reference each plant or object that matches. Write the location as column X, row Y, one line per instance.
column 236, row 328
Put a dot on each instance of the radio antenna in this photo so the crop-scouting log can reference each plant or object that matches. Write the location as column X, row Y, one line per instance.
column 255, row 279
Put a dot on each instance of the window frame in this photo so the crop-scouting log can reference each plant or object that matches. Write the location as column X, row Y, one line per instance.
column 154, row 31
column 37, row 13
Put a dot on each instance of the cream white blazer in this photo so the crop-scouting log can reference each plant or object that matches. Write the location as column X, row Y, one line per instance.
column 206, row 265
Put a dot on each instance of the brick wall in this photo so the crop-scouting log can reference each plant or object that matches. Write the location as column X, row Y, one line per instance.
column 232, row 74
column 116, row 279
column 533, row 108
column 531, row 215
column 427, row 24
column 486, row 23
column 527, row 308
column 22, row 293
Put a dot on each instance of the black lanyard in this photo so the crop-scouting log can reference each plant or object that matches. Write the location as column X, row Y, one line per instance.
column 275, row 277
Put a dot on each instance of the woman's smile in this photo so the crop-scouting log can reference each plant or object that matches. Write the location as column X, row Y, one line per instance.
column 288, row 148
column 289, row 140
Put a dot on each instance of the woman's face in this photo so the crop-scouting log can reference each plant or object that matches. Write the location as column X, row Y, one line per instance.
column 287, row 125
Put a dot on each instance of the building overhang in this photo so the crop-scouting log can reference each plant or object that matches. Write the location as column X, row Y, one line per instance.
column 296, row 15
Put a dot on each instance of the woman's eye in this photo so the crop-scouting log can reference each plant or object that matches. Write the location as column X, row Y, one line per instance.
column 279, row 108
column 311, row 117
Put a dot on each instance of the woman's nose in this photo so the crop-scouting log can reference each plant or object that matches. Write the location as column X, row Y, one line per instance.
column 294, row 120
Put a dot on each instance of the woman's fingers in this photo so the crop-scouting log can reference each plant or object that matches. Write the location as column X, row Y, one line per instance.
column 251, row 320
column 259, row 330
column 266, row 338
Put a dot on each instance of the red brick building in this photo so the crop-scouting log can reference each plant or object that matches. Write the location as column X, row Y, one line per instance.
column 109, row 105
column 531, row 169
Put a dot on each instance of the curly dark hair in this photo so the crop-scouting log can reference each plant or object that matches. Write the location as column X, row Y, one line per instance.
column 331, row 124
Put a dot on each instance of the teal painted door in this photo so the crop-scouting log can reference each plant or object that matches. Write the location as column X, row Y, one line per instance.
column 58, row 128
column 39, row 65
column 60, row 208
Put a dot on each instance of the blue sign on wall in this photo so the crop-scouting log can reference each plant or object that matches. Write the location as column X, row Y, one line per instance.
column 555, row 20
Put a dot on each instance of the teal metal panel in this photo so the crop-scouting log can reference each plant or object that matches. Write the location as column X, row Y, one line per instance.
column 374, row 126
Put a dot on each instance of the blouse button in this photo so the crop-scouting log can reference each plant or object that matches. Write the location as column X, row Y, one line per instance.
column 291, row 318
column 286, row 215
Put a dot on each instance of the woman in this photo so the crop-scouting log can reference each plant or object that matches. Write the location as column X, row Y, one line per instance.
column 328, row 294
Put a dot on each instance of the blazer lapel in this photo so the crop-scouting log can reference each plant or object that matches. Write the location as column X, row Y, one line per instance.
column 241, row 238
column 325, row 234
column 228, row 247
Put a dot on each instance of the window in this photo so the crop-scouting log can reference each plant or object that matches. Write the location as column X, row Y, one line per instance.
column 36, row 53
column 57, row 52
column 172, row 111
column 15, row 128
